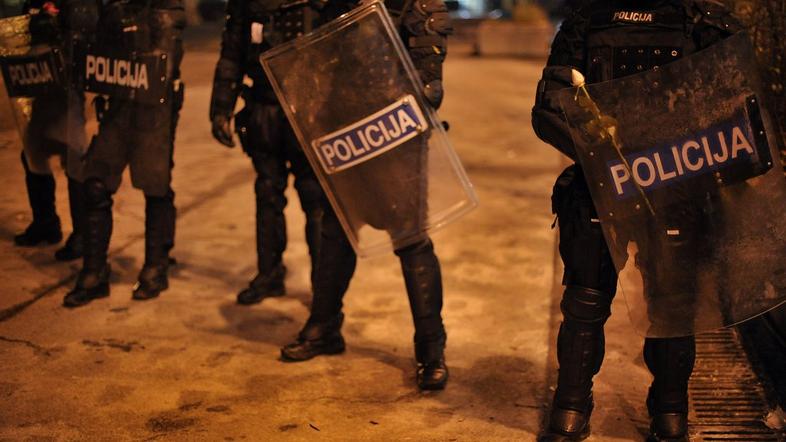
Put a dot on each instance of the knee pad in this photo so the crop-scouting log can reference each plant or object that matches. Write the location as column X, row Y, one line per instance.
column 310, row 194
column 586, row 305
column 97, row 195
column 268, row 193
column 331, row 226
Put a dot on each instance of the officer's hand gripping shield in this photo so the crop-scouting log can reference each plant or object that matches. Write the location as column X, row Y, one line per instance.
column 683, row 166
column 354, row 99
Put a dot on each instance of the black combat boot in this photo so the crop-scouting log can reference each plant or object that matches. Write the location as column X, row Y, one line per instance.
column 670, row 360
column 271, row 242
column 264, row 286
column 93, row 280
column 334, row 269
column 423, row 280
column 160, row 214
column 41, row 196
column 74, row 245
column 580, row 351
column 432, row 373
column 316, row 338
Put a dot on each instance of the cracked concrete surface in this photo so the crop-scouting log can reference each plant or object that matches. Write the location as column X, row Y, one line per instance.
column 193, row 365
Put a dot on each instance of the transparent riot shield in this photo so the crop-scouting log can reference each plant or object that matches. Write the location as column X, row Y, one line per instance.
column 354, row 99
column 15, row 41
column 683, row 166
column 48, row 109
column 129, row 67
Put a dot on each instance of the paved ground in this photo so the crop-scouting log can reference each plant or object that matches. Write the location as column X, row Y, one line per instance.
column 194, row 366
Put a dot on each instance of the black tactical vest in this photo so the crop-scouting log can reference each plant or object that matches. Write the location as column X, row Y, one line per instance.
column 627, row 37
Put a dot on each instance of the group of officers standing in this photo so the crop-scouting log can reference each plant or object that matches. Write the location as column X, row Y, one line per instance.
column 142, row 135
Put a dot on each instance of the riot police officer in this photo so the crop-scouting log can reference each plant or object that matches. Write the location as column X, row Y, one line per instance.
column 253, row 26
column 424, row 26
column 56, row 127
column 138, row 134
column 605, row 40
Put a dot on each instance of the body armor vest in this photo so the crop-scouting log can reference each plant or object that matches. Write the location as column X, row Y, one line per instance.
column 624, row 39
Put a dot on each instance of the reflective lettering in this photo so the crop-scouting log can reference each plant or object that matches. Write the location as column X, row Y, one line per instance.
column 739, row 142
column 724, row 149
column 686, row 159
column 662, row 173
column 707, row 151
column 650, row 171
column 343, row 151
column 404, row 121
column 620, row 175
column 355, row 150
column 328, row 152
column 374, row 142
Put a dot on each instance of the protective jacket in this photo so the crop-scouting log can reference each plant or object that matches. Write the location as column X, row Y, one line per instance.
column 254, row 26
column 608, row 39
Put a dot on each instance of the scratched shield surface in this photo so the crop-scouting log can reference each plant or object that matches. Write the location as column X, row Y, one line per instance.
column 683, row 166
column 354, row 100
column 48, row 109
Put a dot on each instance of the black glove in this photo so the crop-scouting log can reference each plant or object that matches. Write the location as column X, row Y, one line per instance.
column 222, row 130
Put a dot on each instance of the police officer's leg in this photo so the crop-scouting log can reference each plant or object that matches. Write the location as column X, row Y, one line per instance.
column 335, row 266
column 103, row 167
column 151, row 171
column 259, row 129
column 310, row 194
column 93, row 280
column 670, row 361
column 670, row 283
column 45, row 226
column 160, row 216
column 71, row 159
column 590, row 282
column 423, row 280
column 74, row 245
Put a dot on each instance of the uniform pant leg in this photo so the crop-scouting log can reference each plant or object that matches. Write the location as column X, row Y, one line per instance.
column 335, row 266
column 590, row 281
column 423, row 280
column 310, row 193
column 261, row 134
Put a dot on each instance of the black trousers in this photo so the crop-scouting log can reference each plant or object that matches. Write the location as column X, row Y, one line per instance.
column 591, row 281
column 271, row 144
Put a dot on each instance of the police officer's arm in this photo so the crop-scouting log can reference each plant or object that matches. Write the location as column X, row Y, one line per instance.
column 426, row 26
column 567, row 53
column 230, row 69
column 715, row 22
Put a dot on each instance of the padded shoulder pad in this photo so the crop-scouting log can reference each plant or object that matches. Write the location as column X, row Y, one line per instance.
column 437, row 18
column 715, row 14
column 430, row 6
column 397, row 8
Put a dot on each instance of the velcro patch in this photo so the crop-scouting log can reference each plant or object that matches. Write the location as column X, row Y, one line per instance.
column 633, row 17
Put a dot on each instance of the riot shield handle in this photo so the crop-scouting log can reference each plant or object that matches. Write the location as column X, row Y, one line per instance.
column 608, row 131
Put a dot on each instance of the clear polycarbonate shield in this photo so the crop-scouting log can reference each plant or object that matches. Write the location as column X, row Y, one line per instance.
column 14, row 42
column 683, row 166
column 354, row 99
column 48, row 109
